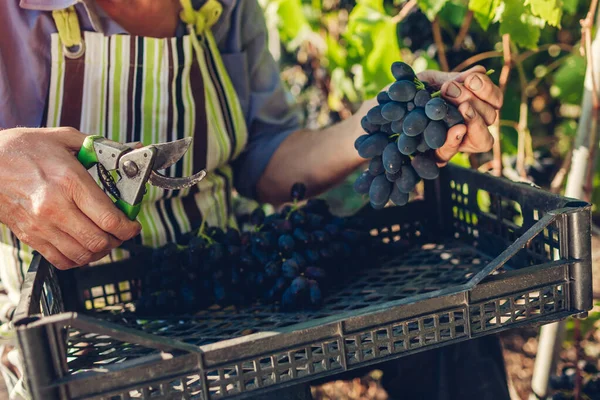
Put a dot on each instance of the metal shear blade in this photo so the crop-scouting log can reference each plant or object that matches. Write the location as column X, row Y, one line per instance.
column 169, row 183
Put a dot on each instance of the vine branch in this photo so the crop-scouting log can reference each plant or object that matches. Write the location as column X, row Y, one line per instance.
column 524, row 141
column 439, row 44
column 406, row 9
column 464, row 30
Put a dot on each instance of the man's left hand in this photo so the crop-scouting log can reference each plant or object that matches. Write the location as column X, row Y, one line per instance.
column 478, row 99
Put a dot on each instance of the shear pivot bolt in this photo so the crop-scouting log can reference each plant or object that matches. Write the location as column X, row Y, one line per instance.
column 130, row 168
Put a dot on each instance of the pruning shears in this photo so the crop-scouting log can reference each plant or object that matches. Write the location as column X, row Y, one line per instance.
column 134, row 168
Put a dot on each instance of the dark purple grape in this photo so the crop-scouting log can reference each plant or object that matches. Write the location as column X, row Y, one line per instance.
column 286, row 243
column 367, row 126
column 393, row 177
column 415, row 122
column 396, row 126
column 298, row 191
column 289, row 301
column 393, row 111
column 302, row 236
column 216, row 233
column 435, row 134
column 382, row 97
column 257, row 217
column 379, row 193
column 318, row 206
column 374, row 116
column 408, row 180
column 273, row 269
column 312, row 256
column 421, row 98
column 299, row 259
column 315, row 273
column 290, row 268
column 436, row 109
column 425, row 166
column 233, row 237
column 321, row 237
column 376, row 166
column 386, row 128
column 332, row 229
column 315, row 221
column 423, row 147
column 410, row 106
column 403, row 91
column 453, row 117
column 407, row 145
column 233, row 252
column 391, row 158
column 299, row 284
column 315, row 295
column 298, row 218
column 402, row 71
column 359, row 141
column 373, row 145
column 397, row 197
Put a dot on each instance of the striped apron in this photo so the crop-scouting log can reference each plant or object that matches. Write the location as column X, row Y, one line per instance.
column 130, row 88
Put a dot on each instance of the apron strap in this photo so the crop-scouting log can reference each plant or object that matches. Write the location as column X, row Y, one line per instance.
column 67, row 25
column 202, row 19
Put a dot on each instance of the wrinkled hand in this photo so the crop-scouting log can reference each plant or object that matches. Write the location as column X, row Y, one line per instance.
column 50, row 202
column 478, row 99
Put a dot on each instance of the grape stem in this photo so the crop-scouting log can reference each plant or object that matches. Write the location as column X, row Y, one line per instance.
column 395, row 135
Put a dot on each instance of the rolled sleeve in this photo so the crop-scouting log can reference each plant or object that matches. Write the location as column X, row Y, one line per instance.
column 271, row 115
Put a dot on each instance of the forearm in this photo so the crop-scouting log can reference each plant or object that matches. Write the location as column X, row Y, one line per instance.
column 320, row 159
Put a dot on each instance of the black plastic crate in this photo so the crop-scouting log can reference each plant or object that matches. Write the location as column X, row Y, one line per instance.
column 486, row 255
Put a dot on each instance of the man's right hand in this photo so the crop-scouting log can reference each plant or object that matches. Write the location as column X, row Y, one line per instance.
column 50, row 202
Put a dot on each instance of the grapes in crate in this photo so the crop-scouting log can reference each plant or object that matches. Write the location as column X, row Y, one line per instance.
column 289, row 259
column 401, row 133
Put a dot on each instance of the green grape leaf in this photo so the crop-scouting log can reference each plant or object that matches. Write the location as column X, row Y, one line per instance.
column 291, row 19
column 570, row 6
column 548, row 10
column 484, row 11
column 431, row 7
column 454, row 13
column 524, row 29
column 568, row 80
column 373, row 40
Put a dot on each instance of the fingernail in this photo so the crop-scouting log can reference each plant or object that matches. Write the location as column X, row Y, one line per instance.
column 470, row 112
column 475, row 83
column 453, row 90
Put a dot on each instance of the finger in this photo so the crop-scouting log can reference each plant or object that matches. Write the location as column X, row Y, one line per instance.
column 54, row 256
column 87, row 233
column 98, row 207
column 480, row 139
column 478, row 69
column 482, row 86
column 456, row 93
column 71, row 248
column 71, row 138
column 454, row 140
column 437, row 78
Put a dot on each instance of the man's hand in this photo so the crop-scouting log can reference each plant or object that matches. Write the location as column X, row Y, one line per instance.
column 50, row 202
column 478, row 99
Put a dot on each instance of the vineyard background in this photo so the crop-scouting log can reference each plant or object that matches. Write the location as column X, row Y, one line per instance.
column 335, row 53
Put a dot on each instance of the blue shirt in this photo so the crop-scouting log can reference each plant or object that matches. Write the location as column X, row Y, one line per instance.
column 240, row 33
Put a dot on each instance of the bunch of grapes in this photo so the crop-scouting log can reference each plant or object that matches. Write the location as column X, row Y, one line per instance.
column 402, row 132
column 289, row 258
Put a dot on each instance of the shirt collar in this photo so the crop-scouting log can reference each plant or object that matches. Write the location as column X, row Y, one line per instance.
column 47, row 5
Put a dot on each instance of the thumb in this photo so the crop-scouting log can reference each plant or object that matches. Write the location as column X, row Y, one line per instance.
column 454, row 139
column 70, row 138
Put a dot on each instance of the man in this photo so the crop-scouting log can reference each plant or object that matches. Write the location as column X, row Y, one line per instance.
column 154, row 71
